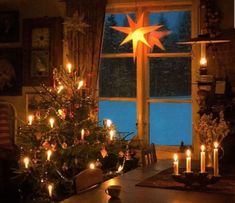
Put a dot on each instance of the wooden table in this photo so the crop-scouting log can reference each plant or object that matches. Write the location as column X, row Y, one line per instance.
column 133, row 194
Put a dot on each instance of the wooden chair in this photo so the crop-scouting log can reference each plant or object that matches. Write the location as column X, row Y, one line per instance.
column 7, row 125
column 148, row 155
column 87, row 179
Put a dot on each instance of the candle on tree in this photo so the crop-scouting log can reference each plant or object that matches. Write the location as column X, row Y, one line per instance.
column 50, row 189
column 30, row 119
column 52, row 122
column 80, row 84
column 188, row 161
column 203, row 157
column 26, row 162
column 49, row 153
column 176, row 164
column 82, row 134
column 69, row 67
column 111, row 133
column 108, row 123
column 216, row 161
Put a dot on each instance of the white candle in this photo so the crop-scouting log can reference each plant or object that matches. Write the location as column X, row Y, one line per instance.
column 30, row 119
column 176, row 164
column 216, row 161
column 82, row 134
column 188, row 161
column 26, row 162
column 69, row 67
column 203, row 157
column 49, row 152
column 111, row 133
column 50, row 189
column 52, row 121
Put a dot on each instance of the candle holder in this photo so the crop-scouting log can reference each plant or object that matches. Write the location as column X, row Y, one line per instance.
column 196, row 180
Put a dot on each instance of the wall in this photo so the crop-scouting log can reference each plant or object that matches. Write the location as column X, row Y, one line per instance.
column 28, row 9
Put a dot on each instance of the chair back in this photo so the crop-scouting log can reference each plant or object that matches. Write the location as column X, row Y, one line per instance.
column 7, row 125
column 148, row 155
column 87, row 179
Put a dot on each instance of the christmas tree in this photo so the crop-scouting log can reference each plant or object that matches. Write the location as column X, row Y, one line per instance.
column 62, row 138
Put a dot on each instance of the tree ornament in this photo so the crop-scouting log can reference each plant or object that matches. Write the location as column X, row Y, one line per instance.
column 46, row 145
column 103, row 152
column 53, row 147
column 38, row 135
column 64, row 145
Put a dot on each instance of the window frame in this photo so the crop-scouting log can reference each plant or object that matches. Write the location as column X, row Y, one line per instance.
column 142, row 95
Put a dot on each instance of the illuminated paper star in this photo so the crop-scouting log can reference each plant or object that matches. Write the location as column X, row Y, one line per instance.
column 154, row 38
column 136, row 33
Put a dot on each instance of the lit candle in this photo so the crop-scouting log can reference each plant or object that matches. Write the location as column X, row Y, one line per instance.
column 92, row 165
column 80, row 84
column 120, row 168
column 26, row 162
column 82, row 134
column 176, row 164
column 52, row 122
column 111, row 133
column 50, row 189
column 108, row 123
column 60, row 88
column 216, row 163
column 203, row 156
column 30, row 119
column 49, row 152
column 188, row 161
column 69, row 67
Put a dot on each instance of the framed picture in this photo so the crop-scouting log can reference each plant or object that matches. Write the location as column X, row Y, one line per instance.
column 9, row 26
column 10, row 72
column 36, row 102
column 42, row 42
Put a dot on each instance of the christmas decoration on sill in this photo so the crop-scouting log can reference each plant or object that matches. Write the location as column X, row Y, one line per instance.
column 136, row 32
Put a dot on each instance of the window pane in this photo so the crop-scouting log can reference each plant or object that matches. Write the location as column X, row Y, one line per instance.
column 117, row 77
column 170, row 123
column 113, row 38
column 122, row 114
column 170, row 77
column 179, row 23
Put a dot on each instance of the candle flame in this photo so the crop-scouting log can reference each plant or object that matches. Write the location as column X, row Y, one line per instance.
column 82, row 134
column 30, row 119
column 216, row 145
column 188, row 152
column 69, row 67
column 80, row 84
column 26, row 162
column 111, row 133
column 175, row 157
column 92, row 166
column 203, row 61
column 60, row 88
column 108, row 123
column 50, row 188
column 52, row 121
column 120, row 168
column 203, row 148
column 49, row 153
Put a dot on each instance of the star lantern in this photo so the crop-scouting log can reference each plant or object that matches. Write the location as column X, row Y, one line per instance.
column 136, row 32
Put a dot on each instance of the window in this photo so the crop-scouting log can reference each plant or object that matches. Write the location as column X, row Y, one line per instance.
column 168, row 80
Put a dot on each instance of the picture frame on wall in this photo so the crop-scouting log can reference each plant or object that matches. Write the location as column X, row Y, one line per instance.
column 36, row 102
column 9, row 26
column 42, row 42
column 10, row 72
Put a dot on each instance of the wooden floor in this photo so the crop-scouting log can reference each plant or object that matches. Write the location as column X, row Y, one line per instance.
column 133, row 194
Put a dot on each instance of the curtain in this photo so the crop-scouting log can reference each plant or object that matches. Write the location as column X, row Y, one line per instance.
column 86, row 46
